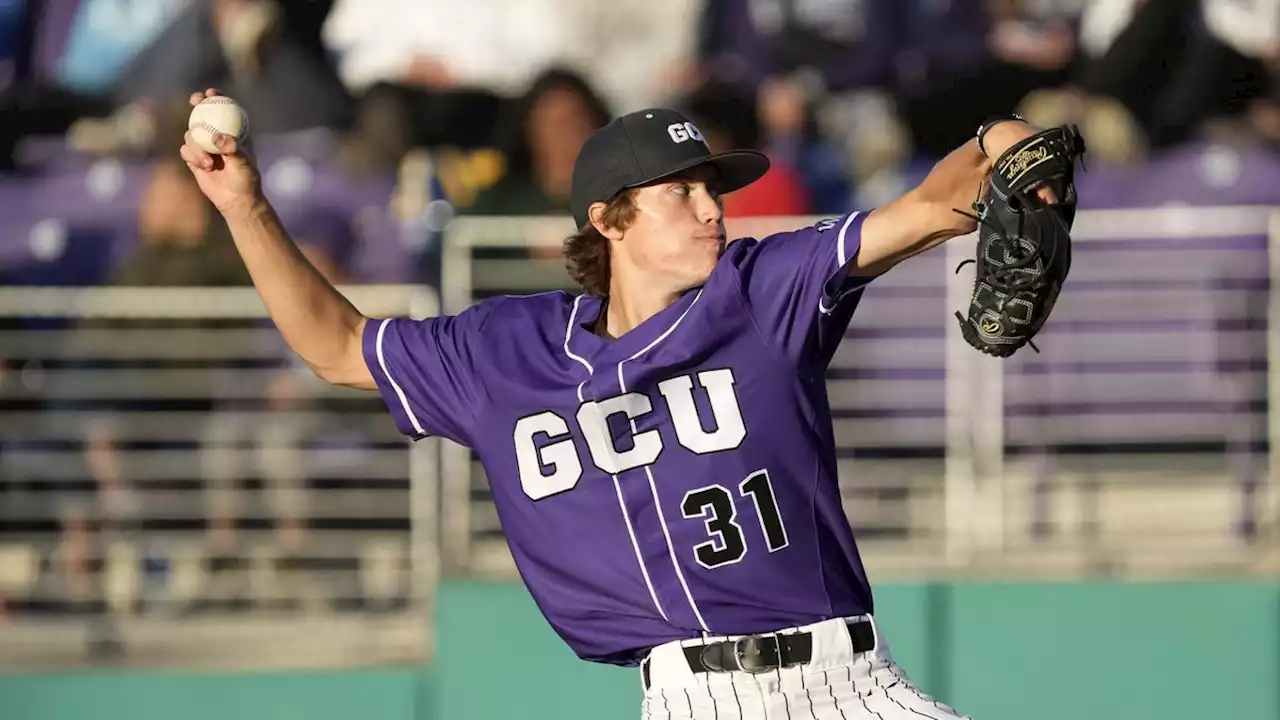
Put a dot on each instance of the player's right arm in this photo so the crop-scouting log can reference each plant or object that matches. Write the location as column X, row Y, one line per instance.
column 424, row 369
column 316, row 320
column 320, row 325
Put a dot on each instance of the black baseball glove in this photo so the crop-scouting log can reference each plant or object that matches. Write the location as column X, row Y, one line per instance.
column 1024, row 242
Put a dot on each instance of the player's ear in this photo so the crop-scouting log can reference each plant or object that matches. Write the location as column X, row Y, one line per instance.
column 596, row 214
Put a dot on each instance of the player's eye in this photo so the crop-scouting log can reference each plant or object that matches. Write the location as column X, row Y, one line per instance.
column 682, row 189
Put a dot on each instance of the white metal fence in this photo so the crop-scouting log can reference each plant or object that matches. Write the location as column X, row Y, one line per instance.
column 175, row 490
column 1138, row 443
column 172, row 492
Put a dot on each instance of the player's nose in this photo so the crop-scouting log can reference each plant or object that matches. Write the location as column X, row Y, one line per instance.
column 709, row 208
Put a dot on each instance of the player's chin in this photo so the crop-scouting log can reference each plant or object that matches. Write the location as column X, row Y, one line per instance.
column 699, row 271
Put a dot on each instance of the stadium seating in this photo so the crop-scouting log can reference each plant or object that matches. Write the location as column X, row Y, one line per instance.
column 71, row 220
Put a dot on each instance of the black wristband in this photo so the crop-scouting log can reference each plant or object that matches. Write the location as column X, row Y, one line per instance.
column 991, row 122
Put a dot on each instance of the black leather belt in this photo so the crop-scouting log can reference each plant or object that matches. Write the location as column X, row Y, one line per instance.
column 762, row 653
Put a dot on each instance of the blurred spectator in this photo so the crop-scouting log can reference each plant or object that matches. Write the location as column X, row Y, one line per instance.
column 442, row 44
column 540, row 141
column 637, row 53
column 450, row 66
column 793, row 135
column 830, row 63
column 76, row 564
column 965, row 59
column 1145, row 71
column 1037, row 36
column 1248, row 57
column 239, row 46
column 183, row 240
column 540, row 144
column 305, row 20
column 33, row 101
column 727, row 119
column 847, row 44
column 1155, row 72
column 1264, row 113
column 105, row 36
column 378, row 139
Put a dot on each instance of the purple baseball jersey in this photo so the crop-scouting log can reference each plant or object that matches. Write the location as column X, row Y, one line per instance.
column 677, row 480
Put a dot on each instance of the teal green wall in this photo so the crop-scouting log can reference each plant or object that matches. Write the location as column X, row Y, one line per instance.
column 1176, row 651
column 380, row 695
column 1067, row 652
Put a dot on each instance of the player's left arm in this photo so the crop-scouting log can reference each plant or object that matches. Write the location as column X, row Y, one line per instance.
column 926, row 216
column 802, row 286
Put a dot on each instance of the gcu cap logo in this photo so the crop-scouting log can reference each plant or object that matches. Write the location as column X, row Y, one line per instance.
column 680, row 132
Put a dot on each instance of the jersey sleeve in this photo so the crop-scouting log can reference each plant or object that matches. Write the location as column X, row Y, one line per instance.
column 427, row 371
column 798, row 286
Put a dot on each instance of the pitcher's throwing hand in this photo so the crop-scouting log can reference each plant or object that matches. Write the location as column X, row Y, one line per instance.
column 230, row 180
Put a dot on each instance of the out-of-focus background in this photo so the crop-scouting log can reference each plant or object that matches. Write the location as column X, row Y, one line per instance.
column 1093, row 531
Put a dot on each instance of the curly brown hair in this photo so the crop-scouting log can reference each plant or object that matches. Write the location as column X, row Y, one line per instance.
column 586, row 252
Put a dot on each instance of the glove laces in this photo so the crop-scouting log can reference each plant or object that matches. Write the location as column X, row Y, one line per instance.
column 1005, row 279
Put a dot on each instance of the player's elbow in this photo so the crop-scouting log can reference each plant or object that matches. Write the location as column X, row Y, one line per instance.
column 342, row 376
column 345, row 364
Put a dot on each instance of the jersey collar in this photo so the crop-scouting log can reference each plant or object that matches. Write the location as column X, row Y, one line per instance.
column 591, row 350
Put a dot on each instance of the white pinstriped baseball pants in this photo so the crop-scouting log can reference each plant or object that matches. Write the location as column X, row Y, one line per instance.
column 836, row 684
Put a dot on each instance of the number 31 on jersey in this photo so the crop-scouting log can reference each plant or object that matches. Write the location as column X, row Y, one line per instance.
column 552, row 466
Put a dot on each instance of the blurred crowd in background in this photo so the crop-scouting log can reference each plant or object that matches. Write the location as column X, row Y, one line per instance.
column 488, row 103
column 377, row 121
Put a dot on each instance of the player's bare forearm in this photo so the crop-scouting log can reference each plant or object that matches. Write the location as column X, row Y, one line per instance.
column 321, row 325
column 318, row 323
column 925, row 216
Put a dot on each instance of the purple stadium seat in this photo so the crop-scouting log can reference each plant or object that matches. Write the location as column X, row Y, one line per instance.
column 305, row 192
column 1203, row 174
column 95, row 203
column 100, row 199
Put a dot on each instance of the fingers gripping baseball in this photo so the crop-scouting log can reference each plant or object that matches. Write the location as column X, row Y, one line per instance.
column 216, row 148
column 197, row 153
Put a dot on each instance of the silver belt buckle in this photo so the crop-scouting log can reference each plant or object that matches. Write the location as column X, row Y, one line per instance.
column 757, row 668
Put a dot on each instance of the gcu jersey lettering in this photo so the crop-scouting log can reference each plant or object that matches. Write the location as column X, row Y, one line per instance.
column 647, row 484
column 554, row 468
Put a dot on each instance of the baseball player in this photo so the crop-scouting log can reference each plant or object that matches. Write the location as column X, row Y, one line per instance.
column 660, row 447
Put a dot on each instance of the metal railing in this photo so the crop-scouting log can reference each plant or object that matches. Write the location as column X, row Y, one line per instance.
column 176, row 490
column 1138, row 443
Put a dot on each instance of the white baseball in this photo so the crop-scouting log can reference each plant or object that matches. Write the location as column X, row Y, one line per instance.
column 216, row 114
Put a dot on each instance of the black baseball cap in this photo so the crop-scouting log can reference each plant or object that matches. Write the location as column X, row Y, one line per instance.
column 648, row 145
